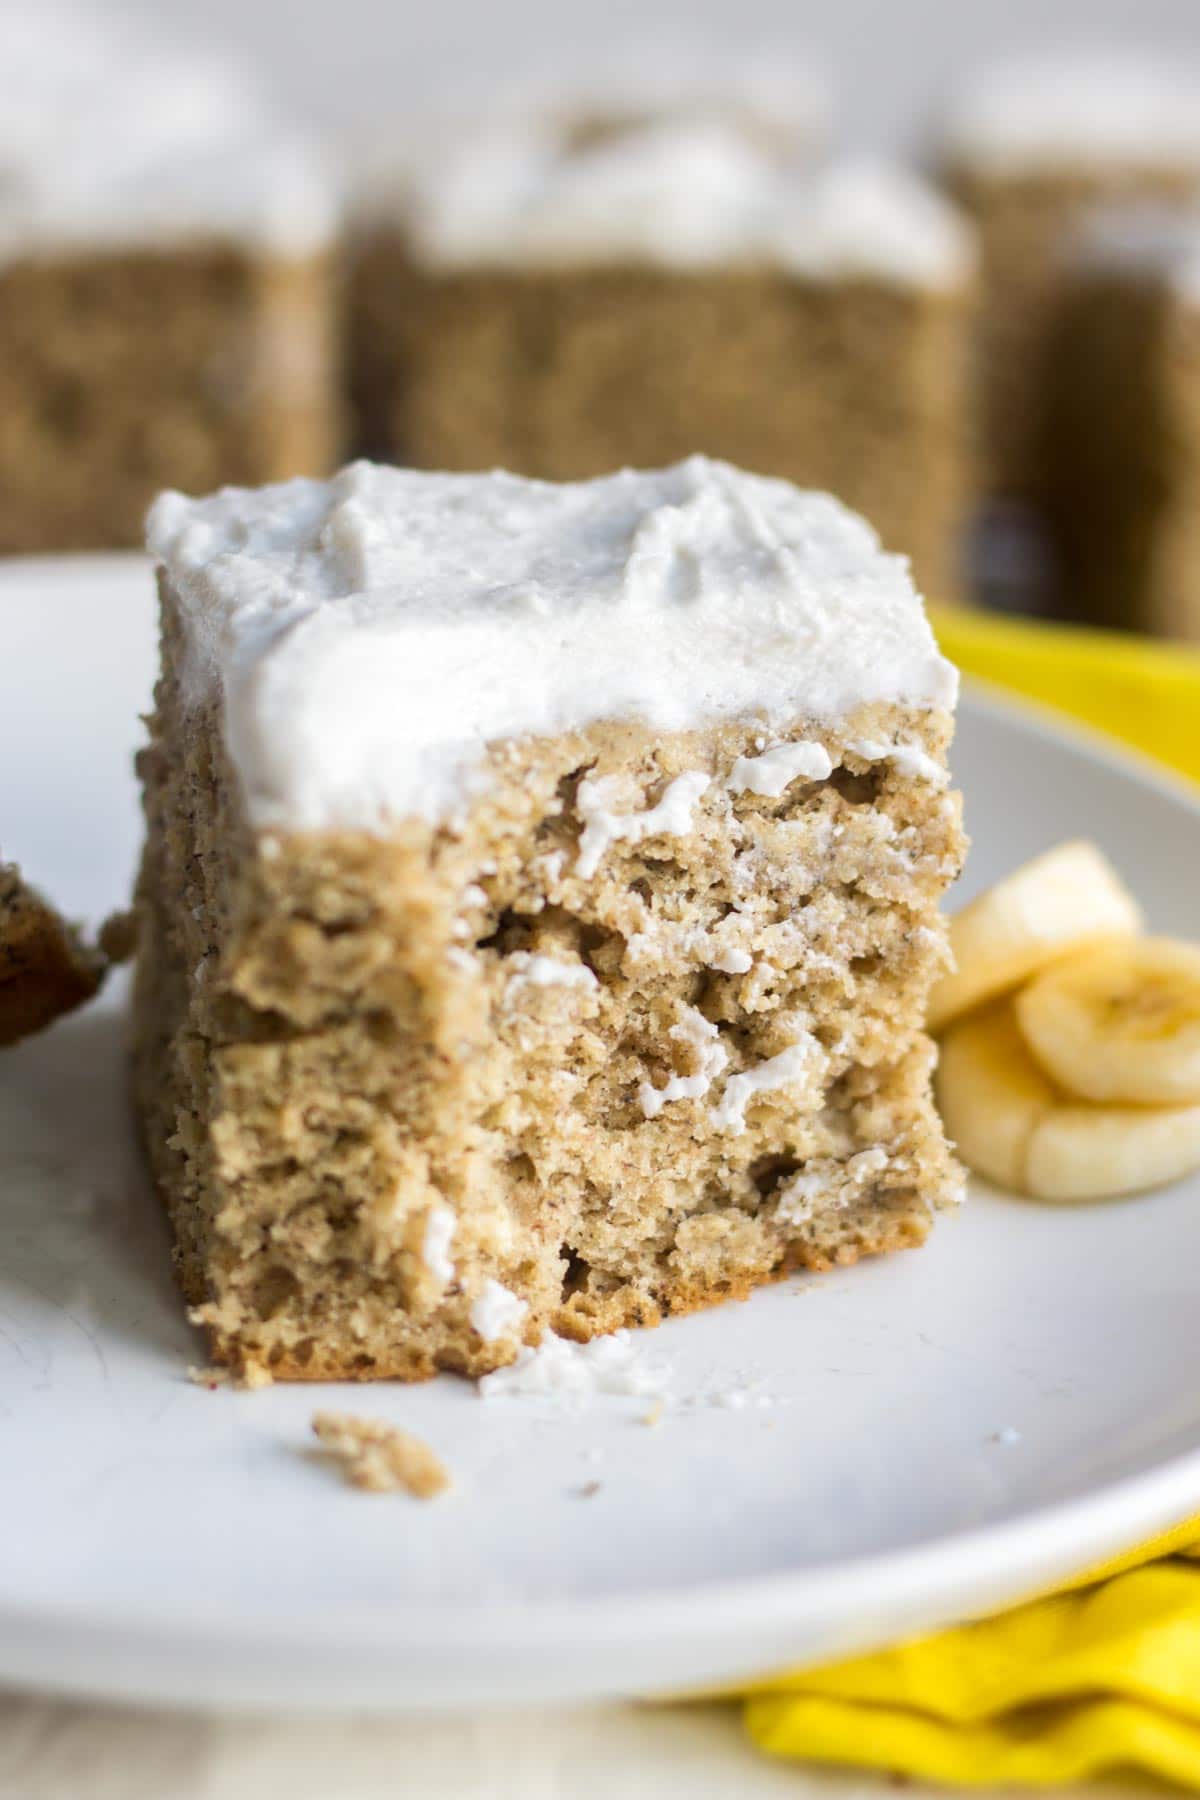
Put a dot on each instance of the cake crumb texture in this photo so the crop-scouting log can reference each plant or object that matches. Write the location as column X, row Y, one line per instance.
column 337, row 1039
column 608, row 1017
column 381, row 1457
column 45, row 967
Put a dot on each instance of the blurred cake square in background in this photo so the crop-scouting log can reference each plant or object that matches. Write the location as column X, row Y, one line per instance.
column 563, row 305
column 1028, row 148
column 1124, row 423
column 771, row 95
column 166, row 290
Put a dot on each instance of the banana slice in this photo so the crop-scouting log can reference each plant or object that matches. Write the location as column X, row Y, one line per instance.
column 1081, row 1152
column 1119, row 1022
column 1012, row 1124
column 1067, row 898
column 991, row 1093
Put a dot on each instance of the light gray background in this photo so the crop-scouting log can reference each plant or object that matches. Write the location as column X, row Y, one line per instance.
column 351, row 62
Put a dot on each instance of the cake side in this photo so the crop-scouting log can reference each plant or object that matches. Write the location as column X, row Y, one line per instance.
column 125, row 369
column 1027, row 222
column 167, row 304
column 1028, row 149
column 1124, row 423
column 619, row 1076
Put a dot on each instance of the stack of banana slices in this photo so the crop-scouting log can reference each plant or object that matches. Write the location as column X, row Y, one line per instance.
column 1070, row 1044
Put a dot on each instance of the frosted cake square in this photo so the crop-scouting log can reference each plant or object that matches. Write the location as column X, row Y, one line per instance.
column 1029, row 149
column 1123, row 407
column 562, row 308
column 538, row 908
column 168, row 307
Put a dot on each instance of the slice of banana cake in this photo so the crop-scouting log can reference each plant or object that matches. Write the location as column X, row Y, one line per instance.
column 168, row 300
column 1124, row 423
column 539, row 906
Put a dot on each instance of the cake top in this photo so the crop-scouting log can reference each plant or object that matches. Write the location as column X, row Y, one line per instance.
column 373, row 634
column 691, row 195
column 1144, row 243
column 772, row 97
column 766, row 90
column 109, row 137
column 1077, row 112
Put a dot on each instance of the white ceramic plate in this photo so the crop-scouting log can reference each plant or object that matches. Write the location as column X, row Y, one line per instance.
column 946, row 1430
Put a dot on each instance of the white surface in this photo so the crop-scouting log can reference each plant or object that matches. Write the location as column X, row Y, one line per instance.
column 693, row 194
column 775, row 89
column 166, row 1542
column 889, row 62
column 374, row 634
column 1097, row 110
column 59, row 1750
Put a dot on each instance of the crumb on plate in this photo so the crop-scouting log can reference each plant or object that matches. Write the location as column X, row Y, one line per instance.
column 381, row 1457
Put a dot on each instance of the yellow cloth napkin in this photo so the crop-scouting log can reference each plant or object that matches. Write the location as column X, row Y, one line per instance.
column 1105, row 1674
column 1143, row 692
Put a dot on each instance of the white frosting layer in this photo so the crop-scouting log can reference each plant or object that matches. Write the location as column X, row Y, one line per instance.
column 110, row 138
column 767, row 95
column 373, row 634
column 874, row 219
column 683, row 196
column 1145, row 243
column 1078, row 111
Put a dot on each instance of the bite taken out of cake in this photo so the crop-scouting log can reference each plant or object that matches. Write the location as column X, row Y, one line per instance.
column 539, row 907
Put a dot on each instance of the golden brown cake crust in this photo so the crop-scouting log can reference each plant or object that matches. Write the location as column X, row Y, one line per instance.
column 337, row 1035
column 45, row 969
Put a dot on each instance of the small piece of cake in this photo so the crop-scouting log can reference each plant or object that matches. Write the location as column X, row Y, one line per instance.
column 563, row 308
column 166, row 290
column 45, row 968
column 1028, row 149
column 1124, row 424
column 538, row 909
column 380, row 1457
